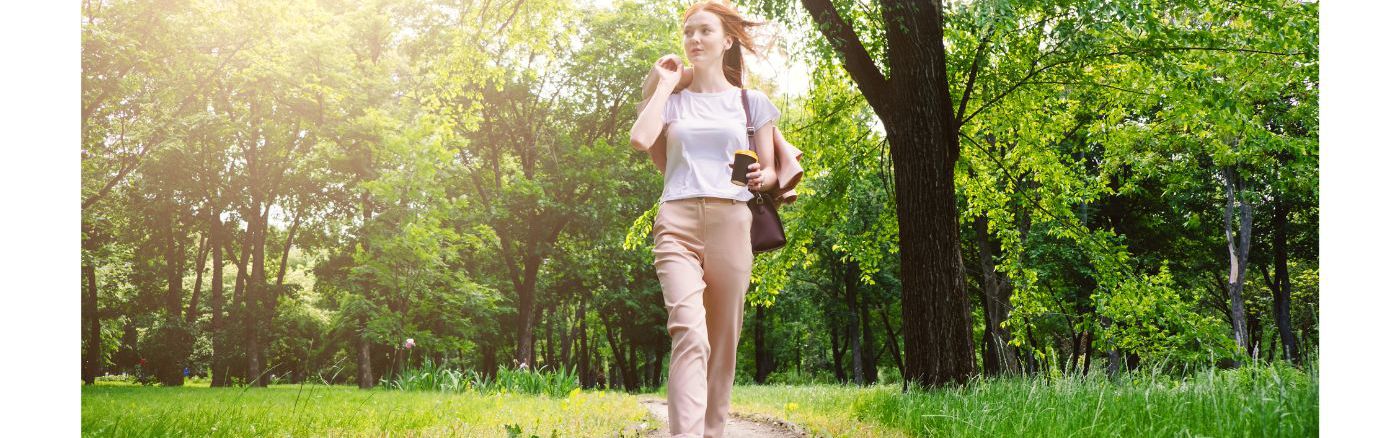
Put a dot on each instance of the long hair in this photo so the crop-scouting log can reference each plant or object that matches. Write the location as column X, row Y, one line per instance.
column 735, row 26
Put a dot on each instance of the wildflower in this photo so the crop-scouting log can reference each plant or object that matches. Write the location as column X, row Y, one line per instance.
column 408, row 344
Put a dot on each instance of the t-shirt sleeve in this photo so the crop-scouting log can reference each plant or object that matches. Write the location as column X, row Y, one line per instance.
column 762, row 110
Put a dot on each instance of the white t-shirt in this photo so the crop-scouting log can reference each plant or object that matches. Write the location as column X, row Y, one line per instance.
column 703, row 132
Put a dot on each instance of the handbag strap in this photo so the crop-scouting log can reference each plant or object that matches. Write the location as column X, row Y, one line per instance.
column 748, row 120
column 748, row 127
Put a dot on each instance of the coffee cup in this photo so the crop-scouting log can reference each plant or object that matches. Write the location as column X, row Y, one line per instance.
column 742, row 159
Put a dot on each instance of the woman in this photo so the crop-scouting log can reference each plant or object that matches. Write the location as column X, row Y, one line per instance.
column 703, row 256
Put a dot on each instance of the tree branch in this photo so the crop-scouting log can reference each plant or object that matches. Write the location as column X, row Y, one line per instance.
column 854, row 57
column 1025, row 80
column 972, row 75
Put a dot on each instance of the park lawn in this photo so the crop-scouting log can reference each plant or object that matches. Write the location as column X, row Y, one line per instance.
column 1269, row 401
column 119, row 410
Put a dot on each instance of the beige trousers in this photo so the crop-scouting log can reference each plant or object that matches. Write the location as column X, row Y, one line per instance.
column 703, row 259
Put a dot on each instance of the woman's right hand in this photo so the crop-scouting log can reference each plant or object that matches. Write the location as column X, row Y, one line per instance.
column 668, row 70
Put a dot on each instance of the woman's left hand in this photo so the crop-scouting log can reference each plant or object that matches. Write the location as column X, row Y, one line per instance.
column 758, row 178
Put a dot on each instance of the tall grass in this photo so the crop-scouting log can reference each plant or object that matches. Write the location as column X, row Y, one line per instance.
column 1262, row 400
column 434, row 377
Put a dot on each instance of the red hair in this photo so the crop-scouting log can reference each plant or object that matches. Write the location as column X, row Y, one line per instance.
column 734, row 26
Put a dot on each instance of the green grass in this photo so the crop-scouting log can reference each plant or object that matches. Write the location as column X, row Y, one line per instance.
column 431, row 376
column 1278, row 401
column 314, row 410
column 1270, row 401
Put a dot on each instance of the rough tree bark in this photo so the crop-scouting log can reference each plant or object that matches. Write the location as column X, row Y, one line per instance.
column 1238, row 245
column 915, row 105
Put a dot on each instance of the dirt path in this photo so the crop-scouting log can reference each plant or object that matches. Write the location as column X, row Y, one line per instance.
column 740, row 425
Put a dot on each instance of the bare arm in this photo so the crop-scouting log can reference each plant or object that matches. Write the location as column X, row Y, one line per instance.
column 766, row 149
column 649, row 125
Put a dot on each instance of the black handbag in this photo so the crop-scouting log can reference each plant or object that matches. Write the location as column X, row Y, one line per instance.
column 767, row 230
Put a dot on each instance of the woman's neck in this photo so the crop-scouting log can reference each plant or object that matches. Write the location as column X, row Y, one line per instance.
column 709, row 78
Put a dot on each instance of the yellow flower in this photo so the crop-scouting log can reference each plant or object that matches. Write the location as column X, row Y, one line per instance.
column 790, row 407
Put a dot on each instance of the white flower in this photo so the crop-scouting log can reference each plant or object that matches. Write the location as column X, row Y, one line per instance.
column 409, row 343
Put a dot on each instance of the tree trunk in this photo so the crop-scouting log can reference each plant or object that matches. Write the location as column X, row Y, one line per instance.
column 255, row 294
column 192, row 313
column 1238, row 245
column 837, row 354
column 525, row 324
column 566, row 338
column 168, row 371
column 1113, row 354
column 549, row 338
column 916, row 108
column 997, row 355
column 1283, row 292
column 584, row 367
column 286, row 251
column 924, row 150
column 893, row 341
column 870, row 353
column 762, row 358
column 630, row 373
column 240, row 284
column 174, row 274
column 624, row 364
column 365, row 362
column 489, row 364
column 218, row 376
column 92, row 359
column 853, row 323
column 662, row 344
column 1088, row 350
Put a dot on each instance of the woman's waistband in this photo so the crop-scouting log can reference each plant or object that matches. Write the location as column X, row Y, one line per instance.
column 708, row 200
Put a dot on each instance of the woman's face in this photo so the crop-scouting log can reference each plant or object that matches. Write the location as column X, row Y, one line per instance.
column 704, row 40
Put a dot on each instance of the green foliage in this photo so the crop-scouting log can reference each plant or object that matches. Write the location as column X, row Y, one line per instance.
column 429, row 376
column 432, row 376
column 166, row 345
column 561, row 383
column 1151, row 318
column 452, row 172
